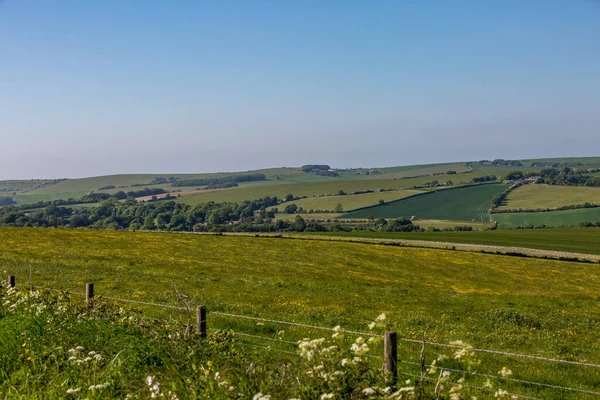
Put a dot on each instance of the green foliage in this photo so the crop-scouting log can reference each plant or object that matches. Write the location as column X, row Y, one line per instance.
column 225, row 181
column 315, row 167
column 122, row 195
column 7, row 201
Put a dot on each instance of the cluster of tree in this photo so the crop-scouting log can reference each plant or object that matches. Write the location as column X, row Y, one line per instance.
column 487, row 178
column 247, row 216
column 450, row 172
column 511, row 163
column 122, row 195
column 7, row 201
column 500, row 199
column 107, row 187
column 315, row 168
column 326, row 173
column 568, row 176
column 111, row 214
column 434, row 183
column 224, row 181
column 161, row 180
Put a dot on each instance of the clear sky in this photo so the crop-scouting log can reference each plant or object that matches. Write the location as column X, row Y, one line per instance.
column 112, row 86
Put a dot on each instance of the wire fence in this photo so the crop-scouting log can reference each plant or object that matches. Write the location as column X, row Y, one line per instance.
column 360, row 333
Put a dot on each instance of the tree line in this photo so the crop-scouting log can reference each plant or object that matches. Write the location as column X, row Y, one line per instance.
column 246, row 216
column 225, row 181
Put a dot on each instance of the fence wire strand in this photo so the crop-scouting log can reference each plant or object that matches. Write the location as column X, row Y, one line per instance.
column 506, row 379
column 323, row 328
column 518, row 396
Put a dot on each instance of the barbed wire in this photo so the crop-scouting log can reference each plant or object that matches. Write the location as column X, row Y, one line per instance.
column 267, row 348
column 505, row 379
column 499, row 352
column 264, row 338
column 403, row 339
column 518, row 396
column 293, row 324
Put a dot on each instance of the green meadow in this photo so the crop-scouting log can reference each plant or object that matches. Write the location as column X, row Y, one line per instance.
column 534, row 306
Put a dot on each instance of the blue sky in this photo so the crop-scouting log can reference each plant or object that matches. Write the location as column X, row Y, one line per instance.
column 102, row 87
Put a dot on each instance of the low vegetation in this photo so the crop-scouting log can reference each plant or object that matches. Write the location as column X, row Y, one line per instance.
column 532, row 306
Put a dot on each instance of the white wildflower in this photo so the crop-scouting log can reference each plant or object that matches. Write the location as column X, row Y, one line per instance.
column 73, row 391
column 505, row 372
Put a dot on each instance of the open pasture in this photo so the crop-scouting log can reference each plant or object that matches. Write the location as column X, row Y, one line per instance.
column 550, row 196
column 532, row 306
column 459, row 204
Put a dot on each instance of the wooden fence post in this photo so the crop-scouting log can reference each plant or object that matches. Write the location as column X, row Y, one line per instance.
column 390, row 357
column 12, row 281
column 89, row 291
column 201, row 321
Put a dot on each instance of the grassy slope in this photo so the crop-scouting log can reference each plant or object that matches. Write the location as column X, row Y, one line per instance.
column 553, row 218
column 576, row 240
column 349, row 202
column 454, row 204
column 549, row 196
column 490, row 301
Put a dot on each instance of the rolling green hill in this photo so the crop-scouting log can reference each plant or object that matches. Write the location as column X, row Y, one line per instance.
column 464, row 203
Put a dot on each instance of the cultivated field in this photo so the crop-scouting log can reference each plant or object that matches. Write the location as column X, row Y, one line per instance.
column 530, row 306
column 552, row 218
column 550, row 196
column 466, row 204
column 350, row 201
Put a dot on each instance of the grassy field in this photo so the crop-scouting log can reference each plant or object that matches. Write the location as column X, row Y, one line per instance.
column 531, row 306
column 552, row 218
column 349, row 202
column 577, row 240
column 549, row 196
column 460, row 204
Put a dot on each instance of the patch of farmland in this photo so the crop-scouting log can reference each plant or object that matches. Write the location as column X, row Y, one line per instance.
column 550, row 219
column 349, row 201
column 459, row 204
column 549, row 196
